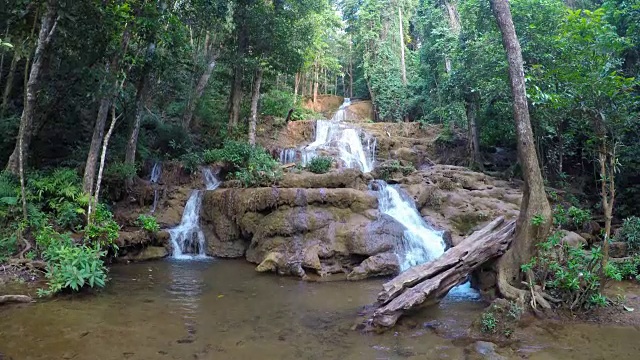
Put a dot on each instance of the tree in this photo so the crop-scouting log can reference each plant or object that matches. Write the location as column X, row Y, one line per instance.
column 48, row 25
column 534, row 200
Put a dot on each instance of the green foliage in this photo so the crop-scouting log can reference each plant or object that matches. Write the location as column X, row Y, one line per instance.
column 73, row 267
column 630, row 233
column 192, row 160
column 386, row 170
column 579, row 216
column 276, row 103
column 102, row 230
column 568, row 274
column 148, row 222
column 537, row 220
column 114, row 177
column 625, row 270
column 489, row 323
column 251, row 165
column 320, row 164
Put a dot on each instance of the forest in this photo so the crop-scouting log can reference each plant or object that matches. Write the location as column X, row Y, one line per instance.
column 94, row 93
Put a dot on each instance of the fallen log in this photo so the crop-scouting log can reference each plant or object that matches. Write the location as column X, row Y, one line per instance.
column 6, row 299
column 426, row 284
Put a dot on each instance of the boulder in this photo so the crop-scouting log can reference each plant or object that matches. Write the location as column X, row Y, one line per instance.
column 145, row 254
column 376, row 265
column 572, row 239
column 337, row 178
column 484, row 350
column 618, row 249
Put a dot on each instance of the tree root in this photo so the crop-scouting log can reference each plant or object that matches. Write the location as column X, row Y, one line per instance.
column 7, row 299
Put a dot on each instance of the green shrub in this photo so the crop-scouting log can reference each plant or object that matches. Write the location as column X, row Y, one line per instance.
column 386, row 170
column 579, row 216
column 568, row 274
column 626, row 270
column 73, row 267
column 276, row 103
column 489, row 322
column 630, row 233
column 320, row 164
column 103, row 230
column 114, row 177
column 148, row 222
column 251, row 165
column 191, row 161
column 8, row 246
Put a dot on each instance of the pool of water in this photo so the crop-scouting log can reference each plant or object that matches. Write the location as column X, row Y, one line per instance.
column 217, row 309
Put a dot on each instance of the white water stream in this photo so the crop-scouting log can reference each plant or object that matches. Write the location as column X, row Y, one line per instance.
column 187, row 239
column 156, row 172
column 351, row 146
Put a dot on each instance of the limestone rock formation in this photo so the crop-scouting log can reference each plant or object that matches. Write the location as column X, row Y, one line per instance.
column 324, row 228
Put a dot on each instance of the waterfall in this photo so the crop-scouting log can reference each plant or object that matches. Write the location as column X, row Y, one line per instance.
column 187, row 239
column 156, row 172
column 288, row 155
column 420, row 242
column 211, row 182
column 348, row 141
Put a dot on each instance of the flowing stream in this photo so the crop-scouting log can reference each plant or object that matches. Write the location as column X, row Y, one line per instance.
column 187, row 239
column 213, row 309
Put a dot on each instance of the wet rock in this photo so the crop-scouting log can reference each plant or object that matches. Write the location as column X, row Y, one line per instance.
column 338, row 178
column 591, row 227
column 377, row 265
column 145, row 254
column 618, row 249
column 572, row 239
column 162, row 237
column 485, row 350
column 133, row 238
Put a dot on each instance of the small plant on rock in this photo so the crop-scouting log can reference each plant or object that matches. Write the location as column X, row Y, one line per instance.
column 148, row 223
column 320, row 164
column 489, row 322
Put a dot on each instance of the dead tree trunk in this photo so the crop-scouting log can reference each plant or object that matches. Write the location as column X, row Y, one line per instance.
column 93, row 201
column 426, row 284
column 296, row 84
column 257, row 81
column 48, row 26
column 534, row 200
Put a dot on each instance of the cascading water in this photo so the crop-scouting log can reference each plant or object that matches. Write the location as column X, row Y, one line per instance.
column 156, row 172
column 420, row 242
column 347, row 139
column 187, row 239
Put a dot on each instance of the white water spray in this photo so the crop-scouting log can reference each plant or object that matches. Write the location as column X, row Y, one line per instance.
column 187, row 239
column 156, row 172
column 346, row 139
column 420, row 243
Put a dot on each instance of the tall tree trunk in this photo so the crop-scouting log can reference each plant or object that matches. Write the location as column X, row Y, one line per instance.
column 350, row 69
column 9, row 83
column 95, row 199
column 296, row 84
column 454, row 25
column 236, row 90
column 101, row 118
column 471, row 105
column 534, row 199
column 315, row 85
column 402, row 63
column 141, row 89
column 94, row 148
column 48, row 25
column 199, row 91
column 255, row 97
